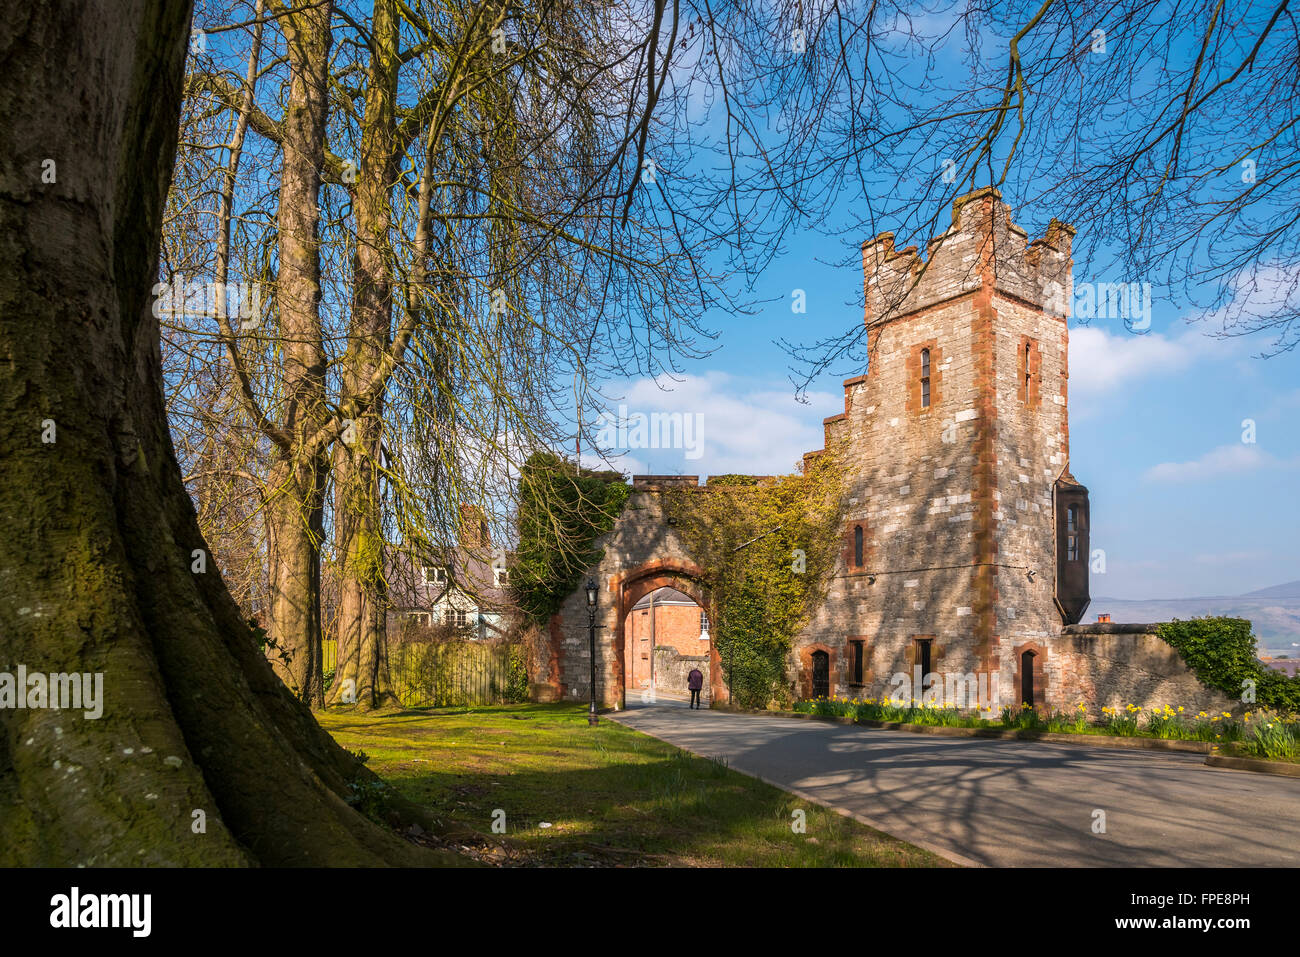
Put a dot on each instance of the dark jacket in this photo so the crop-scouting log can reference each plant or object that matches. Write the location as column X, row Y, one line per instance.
column 695, row 680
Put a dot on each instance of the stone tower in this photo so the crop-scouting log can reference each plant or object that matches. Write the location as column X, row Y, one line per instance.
column 958, row 445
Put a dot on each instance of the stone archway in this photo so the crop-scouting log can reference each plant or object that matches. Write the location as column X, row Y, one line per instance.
column 632, row 585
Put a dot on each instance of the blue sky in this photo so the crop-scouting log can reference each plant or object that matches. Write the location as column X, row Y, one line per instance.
column 1181, row 505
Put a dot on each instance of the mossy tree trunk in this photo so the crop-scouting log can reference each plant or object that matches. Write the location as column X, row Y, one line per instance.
column 96, row 560
column 296, row 503
column 361, row 676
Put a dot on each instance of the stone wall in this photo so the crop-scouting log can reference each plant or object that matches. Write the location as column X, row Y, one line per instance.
column 672, row 668
column 1114, row 665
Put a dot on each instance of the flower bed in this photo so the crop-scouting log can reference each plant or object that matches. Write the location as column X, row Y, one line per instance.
column 1259, row 734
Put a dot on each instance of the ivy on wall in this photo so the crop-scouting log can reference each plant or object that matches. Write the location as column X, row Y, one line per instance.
column 769, row 546
column 563, row 510
column 1222, row 653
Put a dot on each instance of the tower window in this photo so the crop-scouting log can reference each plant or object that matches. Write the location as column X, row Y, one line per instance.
column 857, row 663
column 857, row 546
column 925, row 378
column 1029, row 358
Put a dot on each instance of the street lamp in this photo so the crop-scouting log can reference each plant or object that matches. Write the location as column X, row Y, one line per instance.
column 592, row 720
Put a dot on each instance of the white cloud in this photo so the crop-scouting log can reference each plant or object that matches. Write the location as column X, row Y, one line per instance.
column 1234, row 459
column 1104, row 363
column 756, row 428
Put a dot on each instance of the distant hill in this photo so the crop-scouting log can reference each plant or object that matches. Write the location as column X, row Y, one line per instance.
column 1289, row 590
column 1274, row 613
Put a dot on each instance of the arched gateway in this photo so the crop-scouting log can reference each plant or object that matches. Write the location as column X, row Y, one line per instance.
column 628, row 589
column 642, row 554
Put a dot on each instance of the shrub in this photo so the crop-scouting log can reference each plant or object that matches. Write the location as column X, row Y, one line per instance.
column 1221, row 652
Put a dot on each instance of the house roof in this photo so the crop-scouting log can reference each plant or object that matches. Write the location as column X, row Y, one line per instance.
column 470, row 572
column 665, row 596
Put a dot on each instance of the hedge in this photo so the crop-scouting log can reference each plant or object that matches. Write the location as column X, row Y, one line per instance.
column 1222, row 653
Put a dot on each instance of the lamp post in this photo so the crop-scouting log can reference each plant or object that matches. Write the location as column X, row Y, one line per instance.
column 592, row 720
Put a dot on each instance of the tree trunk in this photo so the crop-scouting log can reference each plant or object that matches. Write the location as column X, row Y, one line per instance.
column 297, row 499
column 96, row 561
column 295, row 529
column 361, row 676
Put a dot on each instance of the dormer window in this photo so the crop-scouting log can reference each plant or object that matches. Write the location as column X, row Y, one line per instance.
column 433, row 575
column 925, row 379
column 500, row 576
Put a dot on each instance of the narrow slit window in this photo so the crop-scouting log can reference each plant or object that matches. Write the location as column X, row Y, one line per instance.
column 1029, row 350
column 925, row 378
column 857, row 546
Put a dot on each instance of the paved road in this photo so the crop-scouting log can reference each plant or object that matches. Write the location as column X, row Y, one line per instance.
column 1005, row 803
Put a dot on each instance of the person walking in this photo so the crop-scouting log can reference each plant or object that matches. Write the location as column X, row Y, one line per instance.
column 695, row 681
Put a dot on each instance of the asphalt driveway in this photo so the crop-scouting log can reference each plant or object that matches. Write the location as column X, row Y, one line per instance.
column 1004, row 803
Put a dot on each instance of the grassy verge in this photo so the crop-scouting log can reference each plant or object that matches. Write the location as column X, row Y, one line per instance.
column 578, row 796
column 1257, row 734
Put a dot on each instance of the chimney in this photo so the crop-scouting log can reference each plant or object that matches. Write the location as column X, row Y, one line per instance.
column 1103, row 619
column 474, row 531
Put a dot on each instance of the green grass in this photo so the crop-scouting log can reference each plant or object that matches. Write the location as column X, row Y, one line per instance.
column 612, row 796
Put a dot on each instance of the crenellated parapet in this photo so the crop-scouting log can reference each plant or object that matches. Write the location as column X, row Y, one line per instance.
column 982, row 248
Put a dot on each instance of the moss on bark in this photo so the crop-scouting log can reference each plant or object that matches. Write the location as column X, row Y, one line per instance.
column 96, row 567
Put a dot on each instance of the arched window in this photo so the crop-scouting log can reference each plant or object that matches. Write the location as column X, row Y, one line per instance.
column 925, row 378
column 1029, row 352
column 857, row 546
